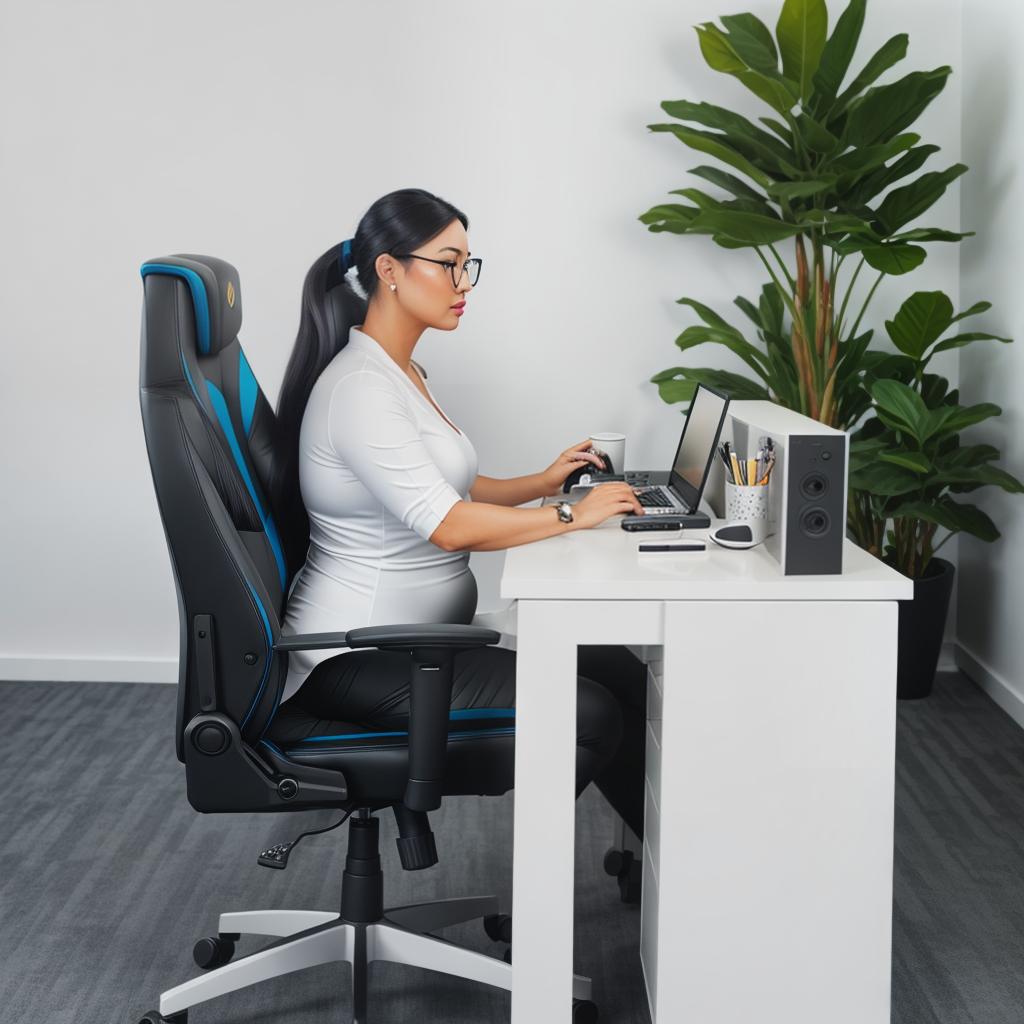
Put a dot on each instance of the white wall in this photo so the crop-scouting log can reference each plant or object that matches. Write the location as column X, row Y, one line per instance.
column 991, row 578
column 260, row 132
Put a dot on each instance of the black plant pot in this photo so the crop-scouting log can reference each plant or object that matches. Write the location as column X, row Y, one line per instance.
column 922, row 622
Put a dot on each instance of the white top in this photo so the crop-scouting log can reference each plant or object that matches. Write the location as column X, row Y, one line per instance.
column 379, row 469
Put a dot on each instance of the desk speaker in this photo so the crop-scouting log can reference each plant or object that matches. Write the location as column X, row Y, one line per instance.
column 806, row 490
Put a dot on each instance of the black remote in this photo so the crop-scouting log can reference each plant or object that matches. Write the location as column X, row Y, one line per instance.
column 693, row 545
column 276, row 856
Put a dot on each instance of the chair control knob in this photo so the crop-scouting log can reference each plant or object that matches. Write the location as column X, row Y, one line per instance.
column 287, row 789
column 211, row 738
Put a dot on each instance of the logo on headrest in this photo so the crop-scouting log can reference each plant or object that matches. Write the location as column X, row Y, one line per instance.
column 231, row 295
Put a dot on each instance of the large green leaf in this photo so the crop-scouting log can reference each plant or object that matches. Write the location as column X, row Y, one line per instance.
column 978, row 307
column 801, row 31
column 878, row 181
column 967, row 456
column 745, row 228
column 799, row 189
column 731, row 339
column 902, row 403
column 920, row 321
column 931, row 235
column 959, row 340
column 981, row 476
column 891, row 52
column 729, row 182
column 671, row 389
column 858, row 163
column 721, row 55
column 884, row 479
column 752, row 41
column 816, row 137
column 715, row 145
column 836, row 56
column 951, row 515
column 905, row 204
column 886, row 110
column 916, row 462
column 739, row 130
column 673, row 217
column 968, row 415
column 894, row 259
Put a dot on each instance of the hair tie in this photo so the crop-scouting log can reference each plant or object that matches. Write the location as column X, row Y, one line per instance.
column 345, row 257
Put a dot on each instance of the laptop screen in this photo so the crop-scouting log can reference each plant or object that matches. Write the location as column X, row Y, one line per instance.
column 697, row 445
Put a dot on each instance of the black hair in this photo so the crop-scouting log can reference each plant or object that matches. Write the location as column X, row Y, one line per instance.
column 400, row 221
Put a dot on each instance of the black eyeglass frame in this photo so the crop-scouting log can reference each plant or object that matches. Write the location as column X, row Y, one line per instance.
column 450, row 264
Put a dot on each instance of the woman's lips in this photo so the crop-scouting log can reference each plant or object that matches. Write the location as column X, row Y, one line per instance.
column 459, row 309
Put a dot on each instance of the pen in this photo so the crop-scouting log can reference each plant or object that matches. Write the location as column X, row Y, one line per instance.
column 736, row 476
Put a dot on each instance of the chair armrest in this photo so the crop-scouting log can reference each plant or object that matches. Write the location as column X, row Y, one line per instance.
column 311, row 641
column 433, row 647
column 431, row 634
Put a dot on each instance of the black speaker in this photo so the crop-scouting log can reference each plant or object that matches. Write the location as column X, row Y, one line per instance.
column 815, row 504
column 807, row 488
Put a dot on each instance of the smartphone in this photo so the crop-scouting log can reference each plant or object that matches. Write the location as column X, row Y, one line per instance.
column 689, row 545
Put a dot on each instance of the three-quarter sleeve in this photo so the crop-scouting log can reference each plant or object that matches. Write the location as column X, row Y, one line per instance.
column 373, row 432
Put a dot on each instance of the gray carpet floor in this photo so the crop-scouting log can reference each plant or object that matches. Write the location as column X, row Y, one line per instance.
column 108, row 876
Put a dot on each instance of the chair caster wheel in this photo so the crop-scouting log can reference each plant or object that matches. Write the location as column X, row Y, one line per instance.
column 621, row 864
column 213, row 952
column 498, row 927
column 153, row 1017
column 616, row 861
column 584, row 1012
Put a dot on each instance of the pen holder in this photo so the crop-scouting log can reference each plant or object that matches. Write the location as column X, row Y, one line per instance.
column 746, row 502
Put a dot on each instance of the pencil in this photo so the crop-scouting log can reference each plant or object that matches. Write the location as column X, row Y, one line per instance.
column 735, row 468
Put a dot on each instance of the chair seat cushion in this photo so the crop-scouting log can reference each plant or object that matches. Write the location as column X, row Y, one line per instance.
column 351, row 714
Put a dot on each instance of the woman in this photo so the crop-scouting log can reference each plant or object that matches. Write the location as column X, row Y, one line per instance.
column 395, row 503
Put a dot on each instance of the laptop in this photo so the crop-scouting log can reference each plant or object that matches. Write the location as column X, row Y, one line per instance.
column 678, row 491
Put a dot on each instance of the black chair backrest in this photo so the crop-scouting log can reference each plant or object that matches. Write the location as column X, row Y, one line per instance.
column 210, row 438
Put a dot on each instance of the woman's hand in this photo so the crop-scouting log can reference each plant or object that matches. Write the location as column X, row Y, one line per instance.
column 554, row 477
column 602, row 502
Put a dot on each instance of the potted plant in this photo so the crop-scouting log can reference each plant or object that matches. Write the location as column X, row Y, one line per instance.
column 908, row 467
column 830, row 172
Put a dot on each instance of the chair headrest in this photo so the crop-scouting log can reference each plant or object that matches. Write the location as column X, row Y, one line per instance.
column 216, row 296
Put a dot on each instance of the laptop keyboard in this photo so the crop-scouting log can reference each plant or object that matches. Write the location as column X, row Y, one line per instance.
column 654, row 498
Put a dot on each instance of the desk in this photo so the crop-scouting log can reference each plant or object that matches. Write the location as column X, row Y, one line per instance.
column 770, row 776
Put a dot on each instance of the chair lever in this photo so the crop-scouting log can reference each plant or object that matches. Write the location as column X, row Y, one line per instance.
column 206, row 672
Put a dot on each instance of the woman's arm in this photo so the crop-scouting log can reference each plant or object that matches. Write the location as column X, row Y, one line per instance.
column 517, row 491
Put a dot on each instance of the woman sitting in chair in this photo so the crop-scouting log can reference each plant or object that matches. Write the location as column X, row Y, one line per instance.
column 395, row 504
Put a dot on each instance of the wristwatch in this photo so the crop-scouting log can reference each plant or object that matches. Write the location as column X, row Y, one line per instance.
column 564, row 512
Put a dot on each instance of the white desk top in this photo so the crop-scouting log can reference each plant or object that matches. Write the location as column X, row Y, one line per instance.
column 602, row 564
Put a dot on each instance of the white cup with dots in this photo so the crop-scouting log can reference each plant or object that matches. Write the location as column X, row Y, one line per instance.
column 746, row 503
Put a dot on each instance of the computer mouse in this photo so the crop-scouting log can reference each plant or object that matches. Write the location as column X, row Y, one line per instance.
column 740, row 534
column 586, row 470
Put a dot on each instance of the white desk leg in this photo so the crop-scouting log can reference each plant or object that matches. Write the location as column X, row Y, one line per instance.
column 545, row 813
column 776, row 839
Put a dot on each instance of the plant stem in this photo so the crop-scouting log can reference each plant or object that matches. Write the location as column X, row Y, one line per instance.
column 785, row 270
column 863, row 309
column 846, row 297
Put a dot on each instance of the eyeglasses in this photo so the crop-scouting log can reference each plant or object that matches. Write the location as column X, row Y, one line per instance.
column 472, row 266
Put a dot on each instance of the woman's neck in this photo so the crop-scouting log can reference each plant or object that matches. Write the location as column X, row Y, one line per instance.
column 394, row 331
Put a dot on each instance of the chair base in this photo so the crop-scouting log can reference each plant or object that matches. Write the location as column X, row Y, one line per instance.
column 361, row 933
column 311, row 937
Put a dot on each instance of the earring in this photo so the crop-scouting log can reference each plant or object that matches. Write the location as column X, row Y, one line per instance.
column 393, row 287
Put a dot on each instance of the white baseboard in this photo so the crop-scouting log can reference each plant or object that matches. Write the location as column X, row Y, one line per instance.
column 89, row 670
column 989, row 681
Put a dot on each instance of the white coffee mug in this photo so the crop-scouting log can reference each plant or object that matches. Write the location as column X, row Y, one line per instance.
column 614, row 446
